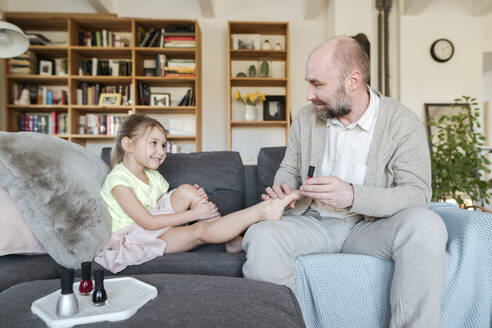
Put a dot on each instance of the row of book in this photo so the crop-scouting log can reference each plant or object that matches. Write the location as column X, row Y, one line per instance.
column 162, row 66
column 90, row 94
column 27, row 63
column 180, row 67
column 105, row 67
column 39, row 95
column 179, row 41
column 189, row 98
column 100, row 124
column 104, row 38
column 47, row 123
column 173, row 35
column 155, row 67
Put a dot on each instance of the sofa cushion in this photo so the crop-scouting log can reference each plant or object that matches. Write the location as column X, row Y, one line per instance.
column 206, row 260
column 220, row 173
column 269, row 159
column 56, row 186
column 15, row 235
column 182, row 301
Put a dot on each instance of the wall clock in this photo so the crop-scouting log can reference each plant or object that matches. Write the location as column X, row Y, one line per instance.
column 442, row 50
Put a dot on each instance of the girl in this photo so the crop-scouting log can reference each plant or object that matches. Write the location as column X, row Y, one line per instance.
column 147, row 220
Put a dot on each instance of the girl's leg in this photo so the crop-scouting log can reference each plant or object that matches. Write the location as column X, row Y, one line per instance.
column 184, row 198
column 184, row 238
column 231, row 225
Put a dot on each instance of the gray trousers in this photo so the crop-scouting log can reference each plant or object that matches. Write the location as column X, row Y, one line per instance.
column 414, row 238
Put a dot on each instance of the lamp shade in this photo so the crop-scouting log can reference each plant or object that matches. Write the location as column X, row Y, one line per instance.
column 13, row 42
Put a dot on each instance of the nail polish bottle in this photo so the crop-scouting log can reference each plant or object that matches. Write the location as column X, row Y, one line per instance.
column 86, row 286
column 310, row 171
column 67, row 304
column 99, row 294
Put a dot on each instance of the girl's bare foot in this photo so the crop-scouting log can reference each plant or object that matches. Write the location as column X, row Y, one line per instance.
column 234, row 245
column 274, row 208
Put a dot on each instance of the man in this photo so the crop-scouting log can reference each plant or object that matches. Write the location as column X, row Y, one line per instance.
column 370, row 190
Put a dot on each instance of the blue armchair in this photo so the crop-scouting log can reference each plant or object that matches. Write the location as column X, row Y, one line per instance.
column 346, row 290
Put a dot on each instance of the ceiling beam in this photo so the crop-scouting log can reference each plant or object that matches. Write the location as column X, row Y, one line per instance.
column 208, row 8
column 480, row 7
column 99, row 6
column 414, row 7
column 313, row 8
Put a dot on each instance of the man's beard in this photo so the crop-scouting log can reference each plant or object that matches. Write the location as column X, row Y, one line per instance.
column 335, row 108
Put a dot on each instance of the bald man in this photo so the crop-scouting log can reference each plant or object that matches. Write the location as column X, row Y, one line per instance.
column 370, row 191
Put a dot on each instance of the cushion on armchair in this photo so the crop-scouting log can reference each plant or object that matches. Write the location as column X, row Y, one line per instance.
column 361, row 298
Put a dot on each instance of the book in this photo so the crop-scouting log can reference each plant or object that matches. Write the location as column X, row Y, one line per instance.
column 155, row 39
column 186, row 98
column 147, row 38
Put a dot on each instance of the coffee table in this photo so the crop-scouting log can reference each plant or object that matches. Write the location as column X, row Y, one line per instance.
column 182, row 301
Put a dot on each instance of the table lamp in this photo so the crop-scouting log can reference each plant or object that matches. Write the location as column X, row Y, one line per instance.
column 13, row 41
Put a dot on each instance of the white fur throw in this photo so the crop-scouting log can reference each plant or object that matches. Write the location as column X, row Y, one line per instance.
column 56, row 185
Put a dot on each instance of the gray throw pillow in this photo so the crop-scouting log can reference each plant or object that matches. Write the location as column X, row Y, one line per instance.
column 56, row 185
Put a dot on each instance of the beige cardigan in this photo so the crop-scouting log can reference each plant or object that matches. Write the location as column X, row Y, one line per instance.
column 398, row 172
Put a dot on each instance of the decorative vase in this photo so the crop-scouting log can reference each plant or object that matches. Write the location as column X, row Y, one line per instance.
column 250, row 113
column 264, row 69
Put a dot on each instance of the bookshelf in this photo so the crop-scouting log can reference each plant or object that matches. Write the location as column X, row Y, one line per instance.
column 251, row 44
column 98, row 45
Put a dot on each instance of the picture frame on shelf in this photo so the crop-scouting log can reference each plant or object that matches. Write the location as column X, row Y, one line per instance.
column 45, row 67
column 274, row 108
column 110, row 99
column 434, row 111
column 245, row 41
column 160, row 99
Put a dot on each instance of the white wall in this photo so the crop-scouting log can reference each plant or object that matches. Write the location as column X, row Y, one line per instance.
column 423, row 80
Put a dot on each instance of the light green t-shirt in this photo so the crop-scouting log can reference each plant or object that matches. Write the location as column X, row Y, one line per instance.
column 147, row 194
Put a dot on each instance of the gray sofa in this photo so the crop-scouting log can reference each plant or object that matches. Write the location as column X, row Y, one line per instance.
column 229, row 183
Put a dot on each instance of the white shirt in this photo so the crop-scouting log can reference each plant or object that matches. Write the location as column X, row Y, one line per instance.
column 346, row 152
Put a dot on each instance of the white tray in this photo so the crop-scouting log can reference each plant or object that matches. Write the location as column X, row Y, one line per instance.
column 125, row 296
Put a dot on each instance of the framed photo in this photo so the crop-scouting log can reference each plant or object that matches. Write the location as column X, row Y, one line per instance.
column 110, row 99
column 274, row 108
column 45, row 67
column 245, row 41
column 434, row 112
column 160, row 99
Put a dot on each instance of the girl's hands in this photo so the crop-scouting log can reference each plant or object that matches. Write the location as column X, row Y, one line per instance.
column 204, row 210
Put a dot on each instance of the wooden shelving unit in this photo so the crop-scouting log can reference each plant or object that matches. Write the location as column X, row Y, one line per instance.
column 72, row 24
column 249, row 84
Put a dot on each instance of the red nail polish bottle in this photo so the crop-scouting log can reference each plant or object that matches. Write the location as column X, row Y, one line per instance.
column 86, row 286
column 310, row 171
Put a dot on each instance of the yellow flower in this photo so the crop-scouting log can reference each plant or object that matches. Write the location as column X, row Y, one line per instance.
column 263, row 97
column 237, row 95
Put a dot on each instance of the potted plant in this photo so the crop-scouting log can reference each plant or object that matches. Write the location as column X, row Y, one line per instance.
column 457, row 162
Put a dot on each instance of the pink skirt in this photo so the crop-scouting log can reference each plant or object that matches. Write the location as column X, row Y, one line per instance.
column 132, row 245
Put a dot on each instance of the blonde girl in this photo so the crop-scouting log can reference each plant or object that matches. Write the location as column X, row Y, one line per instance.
column 148, row 220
